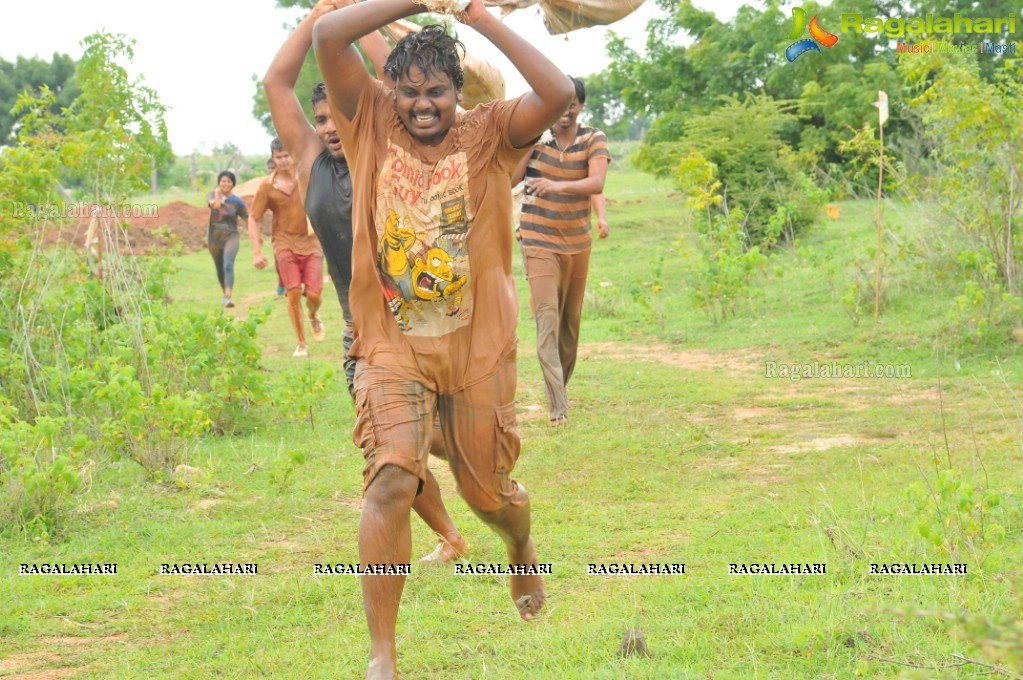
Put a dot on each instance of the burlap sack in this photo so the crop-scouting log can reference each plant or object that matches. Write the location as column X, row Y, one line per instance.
column 562, row 16
column 483, row 82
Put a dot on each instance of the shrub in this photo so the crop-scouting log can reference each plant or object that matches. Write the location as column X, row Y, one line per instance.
column 93, row 362
column 753, row 169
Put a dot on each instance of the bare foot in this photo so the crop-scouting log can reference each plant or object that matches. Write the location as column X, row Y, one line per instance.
column 527, row 590
column 381, row 669
column 448, row 550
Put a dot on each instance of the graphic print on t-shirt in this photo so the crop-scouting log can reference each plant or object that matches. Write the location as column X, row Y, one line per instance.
column 422, row 219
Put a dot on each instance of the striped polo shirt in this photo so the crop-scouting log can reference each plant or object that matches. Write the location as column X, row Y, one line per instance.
column 561, row 222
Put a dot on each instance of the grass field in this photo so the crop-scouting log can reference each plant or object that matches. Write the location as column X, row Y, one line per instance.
column 681, row 449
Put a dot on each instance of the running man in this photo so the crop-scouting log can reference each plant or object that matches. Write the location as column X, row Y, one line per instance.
column 325, row 181
column 297, row 252
column 435, row 331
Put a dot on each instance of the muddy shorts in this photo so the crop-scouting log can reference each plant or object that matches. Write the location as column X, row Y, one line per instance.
column 395, row 421
column 296, row 270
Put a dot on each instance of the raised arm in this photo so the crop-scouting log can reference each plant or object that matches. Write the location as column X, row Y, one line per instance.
column 552, row 91
column 334, row 37
column 289, row 119
column 376, row 47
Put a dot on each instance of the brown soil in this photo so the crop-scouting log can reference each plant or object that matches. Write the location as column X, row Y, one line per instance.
column 692, row 359
column 43, row 665
column 18, row 661
column 531, row 412
column 175, row 222
column 824, row 444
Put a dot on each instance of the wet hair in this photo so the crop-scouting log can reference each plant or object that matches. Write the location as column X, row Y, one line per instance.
column 276, row 145
column 228, row 174
column 431, row 50
column 580, row 89
column 319, row 94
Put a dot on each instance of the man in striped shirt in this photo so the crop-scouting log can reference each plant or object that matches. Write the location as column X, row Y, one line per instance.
column 567, row 167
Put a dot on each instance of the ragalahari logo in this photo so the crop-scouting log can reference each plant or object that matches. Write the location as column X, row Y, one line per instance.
column 818, row 36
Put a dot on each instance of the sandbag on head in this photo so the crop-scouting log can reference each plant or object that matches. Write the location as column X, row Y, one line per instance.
column 562, row 16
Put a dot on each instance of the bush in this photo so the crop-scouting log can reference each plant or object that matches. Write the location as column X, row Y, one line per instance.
column 754, row 171
column 974, row 135
column 728, row 265
column 93, row 363
column 38, row 473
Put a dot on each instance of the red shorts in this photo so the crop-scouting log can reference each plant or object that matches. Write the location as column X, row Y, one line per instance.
column 296, row 270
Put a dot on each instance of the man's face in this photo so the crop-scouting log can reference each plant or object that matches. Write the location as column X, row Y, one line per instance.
column 226, row 185
column 426, row 105
column 568, row 118
column 282, row 160
column 326, row 130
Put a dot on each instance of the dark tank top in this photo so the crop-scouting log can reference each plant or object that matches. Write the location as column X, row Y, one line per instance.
column 328, row 203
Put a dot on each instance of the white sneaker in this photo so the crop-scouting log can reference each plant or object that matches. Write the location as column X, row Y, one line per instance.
column 301, row 351
column 319, row 330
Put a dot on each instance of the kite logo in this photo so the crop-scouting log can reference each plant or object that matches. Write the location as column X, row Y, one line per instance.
column 818, row 36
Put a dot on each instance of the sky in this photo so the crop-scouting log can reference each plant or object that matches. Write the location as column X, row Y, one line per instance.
column 200, row 55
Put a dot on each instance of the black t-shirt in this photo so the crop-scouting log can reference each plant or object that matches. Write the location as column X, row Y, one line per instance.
column 328, row 203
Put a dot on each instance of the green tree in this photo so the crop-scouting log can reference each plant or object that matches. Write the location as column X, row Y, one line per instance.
column 990, row 65
column 110, row 136
column 607, row 111
column 974, row 135
column 116, row 124
column 692, row 60
column 57, row 75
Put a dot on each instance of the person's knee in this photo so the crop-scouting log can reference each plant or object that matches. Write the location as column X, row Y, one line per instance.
column 392, row 487
column 295, row 296
column 313, row 299
column 545, row 308
column 489, row 502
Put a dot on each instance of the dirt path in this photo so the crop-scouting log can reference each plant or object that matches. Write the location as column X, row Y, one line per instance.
column 782, row 406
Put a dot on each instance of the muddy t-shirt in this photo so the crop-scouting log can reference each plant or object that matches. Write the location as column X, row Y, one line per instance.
column 432, row 294
column 328, row 203
column 226, row 216
column 290, row 230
